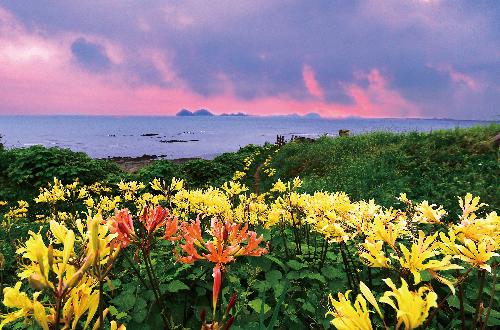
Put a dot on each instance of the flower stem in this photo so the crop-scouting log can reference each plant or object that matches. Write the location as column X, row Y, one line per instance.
column 135, row 270
column 100, row 306
column 492, row 296
column 58, row 313
column 462, row 311
column 155, row 289
column 441, row 303
column 482, row 275
column 346, row 266
column 283, row 236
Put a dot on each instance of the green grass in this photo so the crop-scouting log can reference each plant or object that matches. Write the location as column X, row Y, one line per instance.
column 437, row 166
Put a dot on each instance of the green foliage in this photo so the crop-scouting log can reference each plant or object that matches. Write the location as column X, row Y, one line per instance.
column 437, row 166
column 23, row 171
column 199, row 172
column 164, row 169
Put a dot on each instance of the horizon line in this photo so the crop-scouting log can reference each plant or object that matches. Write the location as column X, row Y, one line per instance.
column 230, row 115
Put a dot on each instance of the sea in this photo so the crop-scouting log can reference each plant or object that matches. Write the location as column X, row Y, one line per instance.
column 188, row 137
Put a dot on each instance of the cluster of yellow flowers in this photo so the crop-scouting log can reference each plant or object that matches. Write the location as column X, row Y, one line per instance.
column 15, row 212
column 70, row 275
column 267, row 169
column 406, row 242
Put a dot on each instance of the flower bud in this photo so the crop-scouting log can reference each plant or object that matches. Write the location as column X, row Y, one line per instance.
column 37, row 281
column 231, row 302
column 229, row 323
column 203, row 315
column 73, row 281
column 50, row 256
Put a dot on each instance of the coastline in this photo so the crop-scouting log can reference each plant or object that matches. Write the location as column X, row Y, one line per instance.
column 134, row 164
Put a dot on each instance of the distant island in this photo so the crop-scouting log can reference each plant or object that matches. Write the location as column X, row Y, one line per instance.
column 207, row 113
column 236, row 114
column 200, row 112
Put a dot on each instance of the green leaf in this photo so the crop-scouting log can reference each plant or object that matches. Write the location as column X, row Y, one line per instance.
column 276, row 261
column 331, row 272
column 140, row 315
column 273, row 276
column 256, row 305
column 453, row 301
column 426, row 276
column 278, row 289
column 307, row 306
column 493, row 321
column 315, row 276
column 176, row 286
column 200, row 291
column 126, row 301
column 295, row 265
column 117, row 314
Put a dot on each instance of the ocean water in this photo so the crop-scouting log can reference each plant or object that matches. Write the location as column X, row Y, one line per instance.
column 179, row 137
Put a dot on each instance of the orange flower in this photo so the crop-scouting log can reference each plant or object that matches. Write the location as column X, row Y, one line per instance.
column 122, row 224
column 154, row 218
column 216, row 287
column 228, row 241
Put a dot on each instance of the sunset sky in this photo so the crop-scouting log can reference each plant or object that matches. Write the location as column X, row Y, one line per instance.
column 401, row 58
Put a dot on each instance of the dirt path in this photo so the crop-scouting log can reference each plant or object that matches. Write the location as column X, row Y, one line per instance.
column 256, row 177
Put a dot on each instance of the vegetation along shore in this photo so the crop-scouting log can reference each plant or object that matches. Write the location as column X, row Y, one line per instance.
column 380, row 230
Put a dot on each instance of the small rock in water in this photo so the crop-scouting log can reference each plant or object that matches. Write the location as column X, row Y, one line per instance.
column 172, row 141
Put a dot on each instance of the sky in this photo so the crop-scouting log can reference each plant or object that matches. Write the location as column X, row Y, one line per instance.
column 371, row 58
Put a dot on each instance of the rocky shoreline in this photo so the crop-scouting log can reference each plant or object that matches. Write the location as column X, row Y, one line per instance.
column 133, row 164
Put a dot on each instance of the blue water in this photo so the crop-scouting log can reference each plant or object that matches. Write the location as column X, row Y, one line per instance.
column 102, row 137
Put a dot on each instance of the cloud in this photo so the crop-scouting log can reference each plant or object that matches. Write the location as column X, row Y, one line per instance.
column 304, row 55
column 89, row 55
column 311, row 83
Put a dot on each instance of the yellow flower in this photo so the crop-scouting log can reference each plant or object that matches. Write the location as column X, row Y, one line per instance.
column 447, row 244
column 412, row 307
column 233, row 188
column 82, row 299
column 347, row 316
column 156, row 185
column 53, row 194
column 373, row 254
column 59, row 231
column 469, row 205
column 480, row 229
column 426, row 213
column 476, row 254
column 238, row 175
column 114, row 326
column 402, row 197
column 18, row 212
column 383, row 228
column 13, row 298
column 297, row 183
column 425, row 248
column 176, row 184
column 279, row 186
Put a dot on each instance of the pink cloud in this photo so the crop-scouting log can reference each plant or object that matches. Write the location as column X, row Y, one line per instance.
column 458, row 77
column 39, row 76
column 311, row 83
